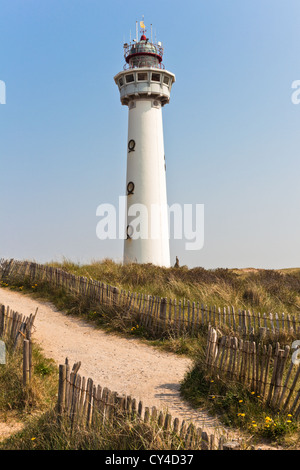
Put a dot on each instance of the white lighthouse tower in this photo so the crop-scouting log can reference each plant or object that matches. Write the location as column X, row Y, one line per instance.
column 145, row 88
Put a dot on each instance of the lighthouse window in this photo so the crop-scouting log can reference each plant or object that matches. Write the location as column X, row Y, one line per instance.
column 131, row 145
column 121, row 82
column 155, row 77
column 129, row 231
column 166, row 80
column 130, row 187
column 155, row 104
column 142, row 76
column 130, row 78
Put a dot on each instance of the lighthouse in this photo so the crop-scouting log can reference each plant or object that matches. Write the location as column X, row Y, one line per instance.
column 145, row 87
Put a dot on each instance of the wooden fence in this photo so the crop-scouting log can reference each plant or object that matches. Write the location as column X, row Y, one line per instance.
column 157, row 315
column 86, row 404
column 15, row 329
column 271, row 372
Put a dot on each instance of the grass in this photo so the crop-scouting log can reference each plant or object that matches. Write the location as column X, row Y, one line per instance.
column 108, row 318
column 258, row 290
column 45, row 433
column 237, row 407
column 35, row 407
column 17, row 403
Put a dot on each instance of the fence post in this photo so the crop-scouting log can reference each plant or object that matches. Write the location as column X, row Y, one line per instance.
column 212, row 338
column 163, row 312
column 61, row 389
column 115, row 296
column 26, row 362
column 2, row 314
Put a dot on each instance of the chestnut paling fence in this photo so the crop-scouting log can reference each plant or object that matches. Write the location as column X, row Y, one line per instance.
column 87, row 405
column 156, row 314
column 272, row 372
column 15, row 330
column 269, row 371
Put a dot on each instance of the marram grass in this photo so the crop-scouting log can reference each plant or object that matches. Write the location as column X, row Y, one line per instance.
column 257, row 290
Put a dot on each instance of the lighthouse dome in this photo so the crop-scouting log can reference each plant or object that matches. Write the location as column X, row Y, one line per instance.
column 143, row 47
column 143, row 54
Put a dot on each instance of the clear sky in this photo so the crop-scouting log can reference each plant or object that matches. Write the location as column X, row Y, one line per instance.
column 232, row 133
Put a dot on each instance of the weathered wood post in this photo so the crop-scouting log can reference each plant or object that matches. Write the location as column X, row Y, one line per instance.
column 61, row 390
column 26, row 362
column 204, row 441
column 115, row 296
column 28, row 337
column 163, row 313
column 2, row 315
column 262, row 333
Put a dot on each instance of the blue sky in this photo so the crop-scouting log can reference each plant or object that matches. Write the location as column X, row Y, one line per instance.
column 231, row 131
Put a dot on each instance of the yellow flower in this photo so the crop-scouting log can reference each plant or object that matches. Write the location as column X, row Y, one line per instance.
column 290, row 415
column 288, row 421
column 33, row 438
column 254, row 425
column 240, row 401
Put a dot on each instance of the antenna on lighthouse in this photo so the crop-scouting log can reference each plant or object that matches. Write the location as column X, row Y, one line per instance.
column 136, row 31
column 151, row 33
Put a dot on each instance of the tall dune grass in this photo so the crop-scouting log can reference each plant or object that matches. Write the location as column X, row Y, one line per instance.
column 257, row 290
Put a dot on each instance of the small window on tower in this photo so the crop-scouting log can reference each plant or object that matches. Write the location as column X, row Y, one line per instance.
column 130, row 78
column 155, row 104
column 129, row 231
column 155, row 77
column 130, row 188
column 142, row 76
column 166, row 80
column 121, row 83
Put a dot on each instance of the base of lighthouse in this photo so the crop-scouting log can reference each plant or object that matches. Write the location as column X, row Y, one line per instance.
column 147, row 214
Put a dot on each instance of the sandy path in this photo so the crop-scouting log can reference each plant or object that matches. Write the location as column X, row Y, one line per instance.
column 123, row 365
